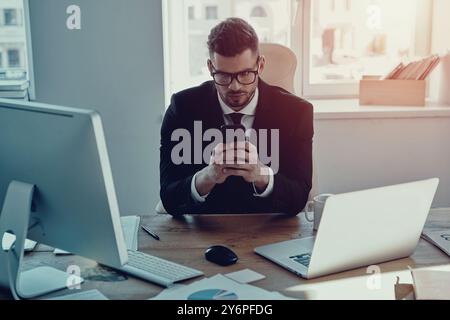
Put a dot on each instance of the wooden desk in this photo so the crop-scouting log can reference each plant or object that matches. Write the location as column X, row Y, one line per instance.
column 185, row 240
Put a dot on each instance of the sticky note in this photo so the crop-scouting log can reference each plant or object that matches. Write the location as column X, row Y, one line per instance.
column 245, row 276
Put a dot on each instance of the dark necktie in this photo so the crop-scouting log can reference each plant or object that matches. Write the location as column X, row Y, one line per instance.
column 236, row 118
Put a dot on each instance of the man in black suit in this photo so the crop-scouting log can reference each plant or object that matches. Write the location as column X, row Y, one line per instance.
column 236, row 96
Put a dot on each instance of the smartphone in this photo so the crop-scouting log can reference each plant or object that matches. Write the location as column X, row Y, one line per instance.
column 228, row 131
column 229, row 136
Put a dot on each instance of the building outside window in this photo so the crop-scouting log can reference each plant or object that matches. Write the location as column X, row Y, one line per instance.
column 14, row 58
column 211, row 13
column 191, row 13
column 13, row 41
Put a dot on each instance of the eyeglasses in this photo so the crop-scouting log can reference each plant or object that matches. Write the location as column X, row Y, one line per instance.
column 244, row 77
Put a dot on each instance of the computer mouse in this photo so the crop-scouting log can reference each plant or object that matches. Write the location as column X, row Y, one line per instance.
column 221, row 255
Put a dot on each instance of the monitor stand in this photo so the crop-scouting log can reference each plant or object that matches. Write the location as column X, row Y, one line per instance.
column 14, row 219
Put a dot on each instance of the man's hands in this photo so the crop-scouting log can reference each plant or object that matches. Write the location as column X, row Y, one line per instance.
column 233, row 159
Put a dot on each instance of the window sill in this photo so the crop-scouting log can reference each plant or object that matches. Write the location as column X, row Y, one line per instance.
column 350, row 109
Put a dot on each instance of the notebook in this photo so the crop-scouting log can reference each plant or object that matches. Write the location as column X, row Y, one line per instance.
column 440, row 239
column 431, row 284
column 130, row 227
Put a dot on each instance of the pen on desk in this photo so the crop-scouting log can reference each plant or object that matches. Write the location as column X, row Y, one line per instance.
column 150, row 232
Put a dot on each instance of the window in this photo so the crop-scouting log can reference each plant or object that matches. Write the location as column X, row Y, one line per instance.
column 10, row 17
column 211, row 13
column 14, row 42
column 258, row 12
column 336, row 41
column 14, row 58
column 346, row 39
column 186, row 52
column 191, row 13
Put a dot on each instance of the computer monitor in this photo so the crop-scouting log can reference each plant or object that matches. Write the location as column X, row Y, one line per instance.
column 62, row 152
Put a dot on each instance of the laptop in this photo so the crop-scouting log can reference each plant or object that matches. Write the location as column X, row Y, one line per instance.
column 359, row 229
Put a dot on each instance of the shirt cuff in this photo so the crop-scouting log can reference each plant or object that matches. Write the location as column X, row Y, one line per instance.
column 269, row 187
column 194, row 193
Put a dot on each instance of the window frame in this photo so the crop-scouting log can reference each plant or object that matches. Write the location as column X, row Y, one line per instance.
column 318, row 91
column 172, row 41
column 300, row 43
column 26, row 21
column 175, row 39
column 339, row 90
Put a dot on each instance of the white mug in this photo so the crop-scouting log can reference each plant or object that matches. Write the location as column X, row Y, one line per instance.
column 316, row 208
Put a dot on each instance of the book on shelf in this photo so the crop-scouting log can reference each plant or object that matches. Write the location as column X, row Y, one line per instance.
column 393, row 74
column 430, row 69
column 414, row 70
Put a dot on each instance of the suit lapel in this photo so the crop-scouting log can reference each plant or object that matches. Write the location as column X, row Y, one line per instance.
column 213, row 109
column 262, row 116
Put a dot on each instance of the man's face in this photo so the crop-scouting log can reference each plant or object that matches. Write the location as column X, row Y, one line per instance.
column 237, row 95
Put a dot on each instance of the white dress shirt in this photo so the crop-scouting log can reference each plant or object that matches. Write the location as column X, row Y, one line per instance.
column 247, row 121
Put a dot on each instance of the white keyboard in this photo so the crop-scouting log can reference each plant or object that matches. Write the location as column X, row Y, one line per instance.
column 157, row 270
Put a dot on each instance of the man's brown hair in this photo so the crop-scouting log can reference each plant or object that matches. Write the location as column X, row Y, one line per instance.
column 232, row 37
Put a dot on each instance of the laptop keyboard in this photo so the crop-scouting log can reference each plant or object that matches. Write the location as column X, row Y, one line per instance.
column 303, row 259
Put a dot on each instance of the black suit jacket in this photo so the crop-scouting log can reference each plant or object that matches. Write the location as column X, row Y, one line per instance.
column 276, row 109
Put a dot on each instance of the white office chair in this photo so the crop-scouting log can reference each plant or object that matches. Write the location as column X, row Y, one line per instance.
column 281, row 65
column 280, row 69
column 159, row 209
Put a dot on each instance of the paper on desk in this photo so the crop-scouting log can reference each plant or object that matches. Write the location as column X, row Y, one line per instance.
column 439, row 239
column 84, row 295
column 60, row 252
column 245, row 276
column 219, row 287
column 431, row 283
column 173, row 287
column 130, row 227
column 8, row 241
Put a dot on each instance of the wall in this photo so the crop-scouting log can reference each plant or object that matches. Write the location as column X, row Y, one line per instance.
column 357, row 154
column 114, row 64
